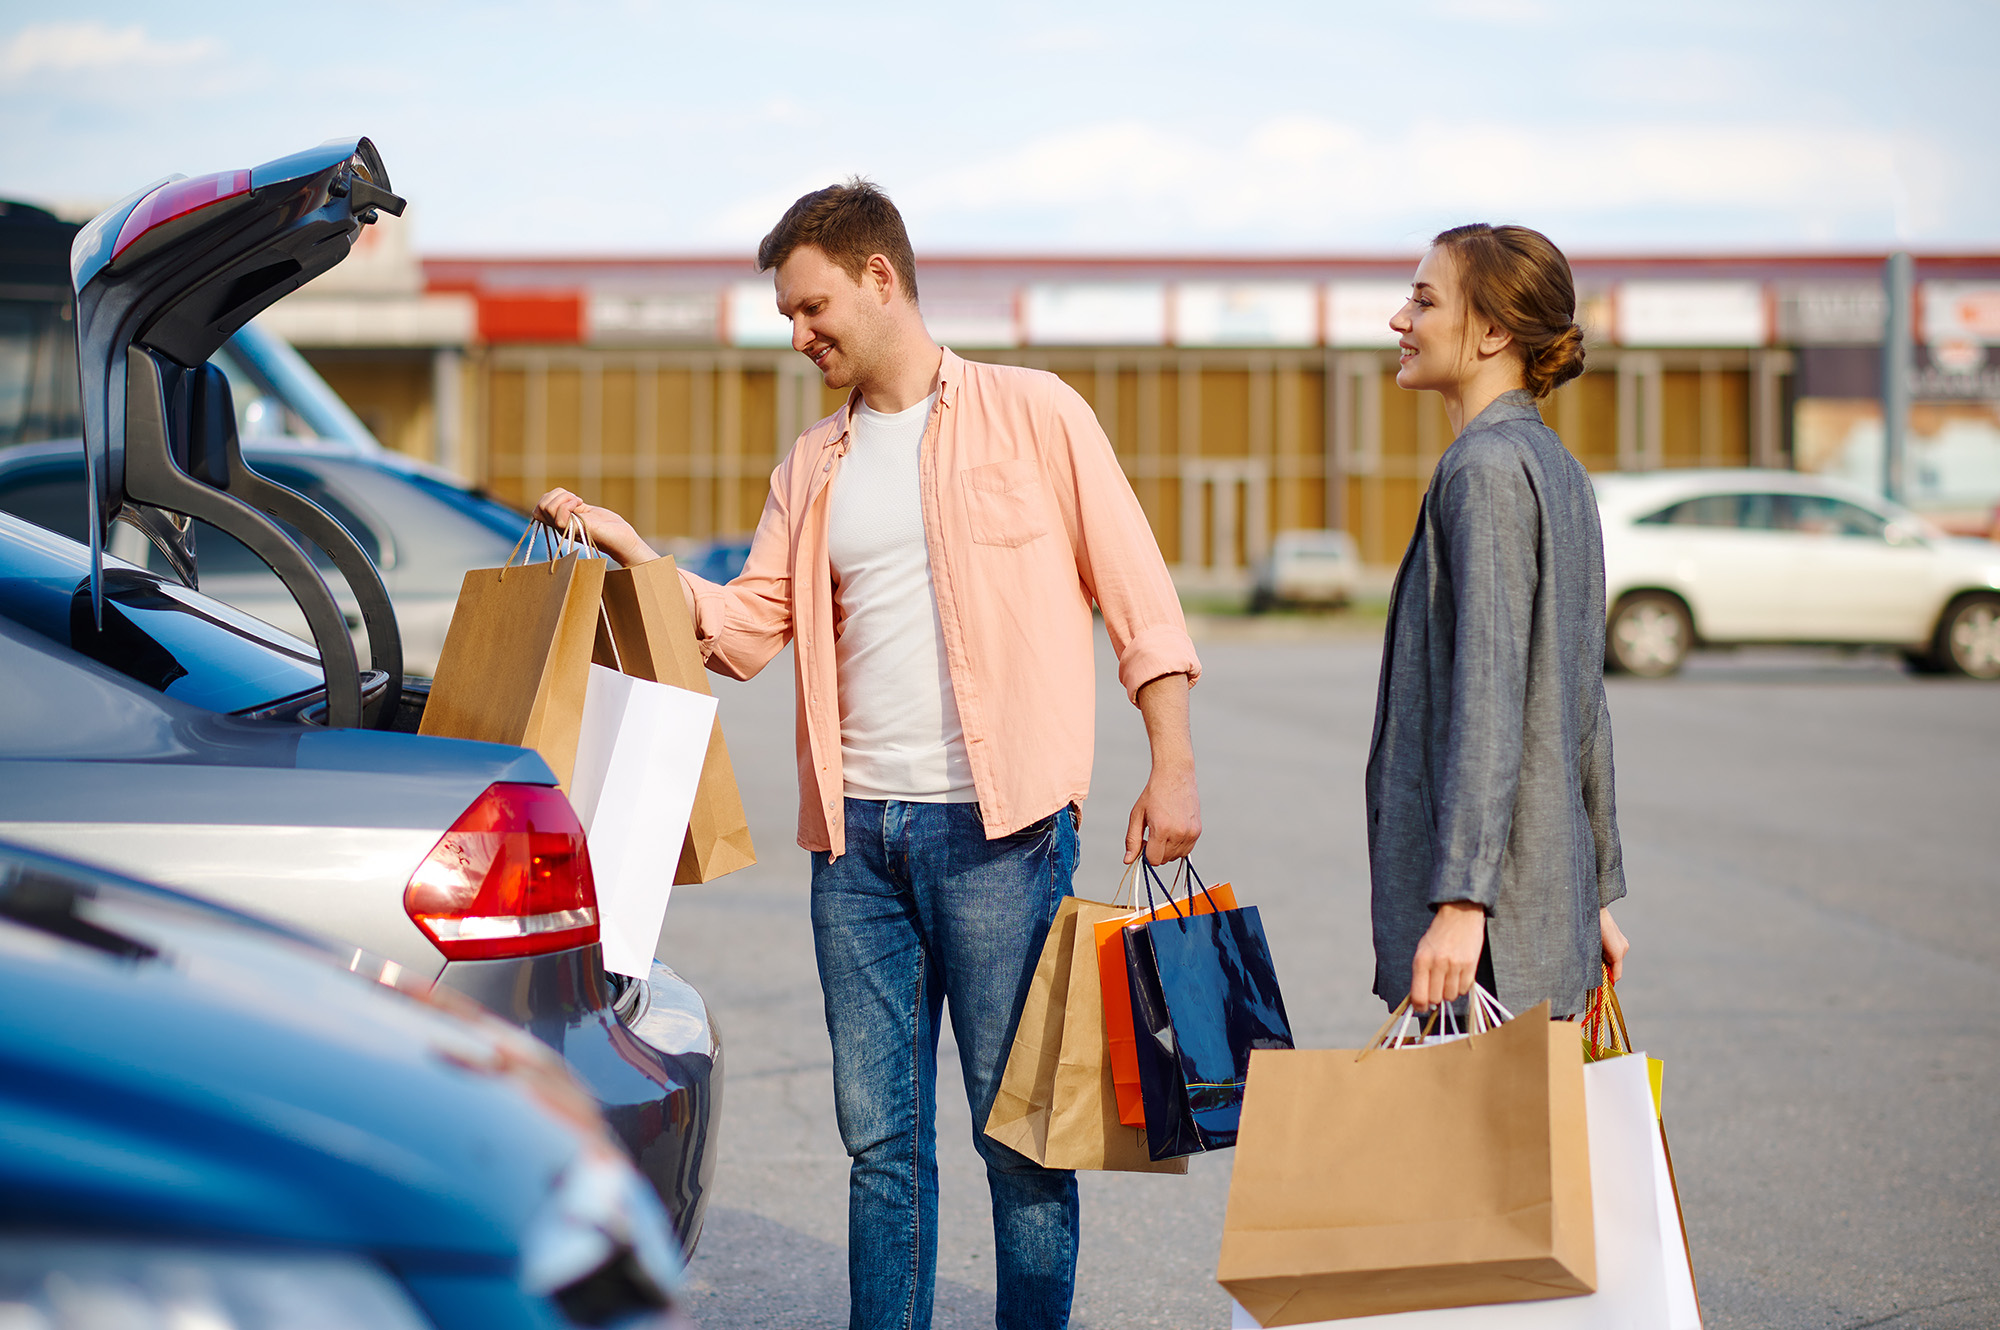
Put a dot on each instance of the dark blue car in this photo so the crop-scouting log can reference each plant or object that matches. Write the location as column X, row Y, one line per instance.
column 208, row 1122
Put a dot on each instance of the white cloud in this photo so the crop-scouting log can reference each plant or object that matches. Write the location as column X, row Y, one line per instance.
column 94, row 47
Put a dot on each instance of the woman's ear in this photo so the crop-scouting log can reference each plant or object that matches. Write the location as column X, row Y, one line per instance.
column 1493, row 339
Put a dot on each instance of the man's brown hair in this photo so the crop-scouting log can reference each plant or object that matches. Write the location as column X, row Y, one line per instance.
column 849, row 224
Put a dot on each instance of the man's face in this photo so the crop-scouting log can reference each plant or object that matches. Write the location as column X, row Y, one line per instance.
column 838, row 323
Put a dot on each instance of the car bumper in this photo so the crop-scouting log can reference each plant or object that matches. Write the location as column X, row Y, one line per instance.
column 654, row 1062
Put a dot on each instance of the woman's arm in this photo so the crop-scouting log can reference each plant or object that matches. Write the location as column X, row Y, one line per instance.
column 1489, row 520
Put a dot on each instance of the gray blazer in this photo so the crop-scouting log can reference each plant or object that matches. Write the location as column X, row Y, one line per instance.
column 1489, row 776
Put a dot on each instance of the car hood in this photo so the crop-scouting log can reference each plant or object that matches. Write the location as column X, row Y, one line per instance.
column 189, row 1071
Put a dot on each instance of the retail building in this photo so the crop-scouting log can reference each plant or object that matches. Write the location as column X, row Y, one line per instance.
column 1244, row 396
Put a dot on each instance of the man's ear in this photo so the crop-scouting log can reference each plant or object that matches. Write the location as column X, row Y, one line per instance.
column 880, row 279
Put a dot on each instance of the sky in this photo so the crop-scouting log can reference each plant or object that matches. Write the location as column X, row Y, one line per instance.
column 1090, row 128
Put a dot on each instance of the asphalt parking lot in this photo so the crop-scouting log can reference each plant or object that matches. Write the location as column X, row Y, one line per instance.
column 1813, row 850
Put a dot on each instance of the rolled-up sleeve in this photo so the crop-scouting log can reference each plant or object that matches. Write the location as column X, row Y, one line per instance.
column 1489, row 517
column 740, row 626
column 1117, row 558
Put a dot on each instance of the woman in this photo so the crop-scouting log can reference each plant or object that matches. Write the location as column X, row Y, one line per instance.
column 1492, row 834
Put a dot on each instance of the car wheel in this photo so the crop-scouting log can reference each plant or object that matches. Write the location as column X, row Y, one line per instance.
column 1649, row 634
column 1968, row 638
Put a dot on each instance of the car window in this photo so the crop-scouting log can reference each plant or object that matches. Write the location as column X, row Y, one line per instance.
column 188, row 646
column 38, row 388
column 260, row 412
column 1741, row 512
column 217, row 553
column 51, row 496
column 1823, row 515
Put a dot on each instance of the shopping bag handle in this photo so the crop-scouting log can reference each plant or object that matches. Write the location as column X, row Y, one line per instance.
column 576, row 536
column 1484, row 1012
column 536, row 527
column 1187, row 872
column 1123, row 894
column 1604, row 1032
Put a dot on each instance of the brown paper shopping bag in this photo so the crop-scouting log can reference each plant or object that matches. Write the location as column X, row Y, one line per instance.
column 516, row 659
column 1056, row 1104
column 644, row 609
column 1447, row 1175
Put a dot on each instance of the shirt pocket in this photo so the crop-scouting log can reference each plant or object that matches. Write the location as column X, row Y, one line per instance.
column 1004, row 502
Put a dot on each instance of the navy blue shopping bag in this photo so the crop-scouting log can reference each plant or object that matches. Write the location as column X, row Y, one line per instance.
column 1204, row 994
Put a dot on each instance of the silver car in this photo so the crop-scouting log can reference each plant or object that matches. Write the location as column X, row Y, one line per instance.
column 420, row 526
column 178, row 743
column 150, row 728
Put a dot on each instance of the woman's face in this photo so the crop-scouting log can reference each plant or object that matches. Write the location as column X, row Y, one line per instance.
column 1431, row 328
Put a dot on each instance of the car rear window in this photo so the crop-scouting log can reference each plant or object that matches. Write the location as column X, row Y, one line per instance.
column 186, row 645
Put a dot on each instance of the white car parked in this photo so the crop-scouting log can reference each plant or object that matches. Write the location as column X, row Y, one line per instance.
column 1727, row 556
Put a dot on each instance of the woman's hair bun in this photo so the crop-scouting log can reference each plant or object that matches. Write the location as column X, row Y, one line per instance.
column 1551, row 365
column 1519, row 279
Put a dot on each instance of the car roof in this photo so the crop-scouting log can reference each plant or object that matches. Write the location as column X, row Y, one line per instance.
column 1624, row 492
column 288, row 449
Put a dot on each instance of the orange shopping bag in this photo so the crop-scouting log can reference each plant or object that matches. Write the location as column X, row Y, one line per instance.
column 1111, row 973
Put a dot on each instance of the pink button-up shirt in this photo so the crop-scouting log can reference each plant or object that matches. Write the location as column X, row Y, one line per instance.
column 1028, row 520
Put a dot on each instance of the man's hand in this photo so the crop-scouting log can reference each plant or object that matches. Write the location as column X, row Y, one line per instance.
column 1615, row 945
column 1448, row 955
column 1166, row 822
column 608, row 531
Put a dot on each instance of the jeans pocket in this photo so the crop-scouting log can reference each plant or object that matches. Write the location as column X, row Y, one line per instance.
column 1034, row 832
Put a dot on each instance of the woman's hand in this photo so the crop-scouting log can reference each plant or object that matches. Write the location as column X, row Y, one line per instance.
column 608, row 531
column 1615, row 945
column 1448, row 955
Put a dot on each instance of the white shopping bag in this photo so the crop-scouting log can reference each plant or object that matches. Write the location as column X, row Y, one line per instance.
column 1643, row 1278
column 638, row 763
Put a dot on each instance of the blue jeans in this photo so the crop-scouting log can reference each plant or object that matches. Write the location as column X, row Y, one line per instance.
column 923, row 910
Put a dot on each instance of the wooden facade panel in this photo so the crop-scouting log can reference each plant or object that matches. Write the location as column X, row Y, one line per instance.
column 391, row 394
column 1584, row 412
column 1225, row 413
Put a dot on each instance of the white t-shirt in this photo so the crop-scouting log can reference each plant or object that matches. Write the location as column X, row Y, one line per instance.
column 900, row 736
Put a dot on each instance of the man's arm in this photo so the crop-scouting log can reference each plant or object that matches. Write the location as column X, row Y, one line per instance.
column 608, row 531
column 1166, row 822
column 739, row 627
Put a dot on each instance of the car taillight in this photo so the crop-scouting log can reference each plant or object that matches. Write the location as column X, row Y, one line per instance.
column 178, row 198
column 511, row 878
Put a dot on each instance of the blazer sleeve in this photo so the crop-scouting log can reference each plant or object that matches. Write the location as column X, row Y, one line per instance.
column 1489, row 518
column 1601, row 804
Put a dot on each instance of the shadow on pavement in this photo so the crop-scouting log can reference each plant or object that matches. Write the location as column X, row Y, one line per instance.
column 752, row 1273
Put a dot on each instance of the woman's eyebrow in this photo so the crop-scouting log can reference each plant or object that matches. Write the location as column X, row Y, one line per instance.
column 1420, row 286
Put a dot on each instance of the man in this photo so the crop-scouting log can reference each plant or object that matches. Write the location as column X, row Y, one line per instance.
column 932, row 549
